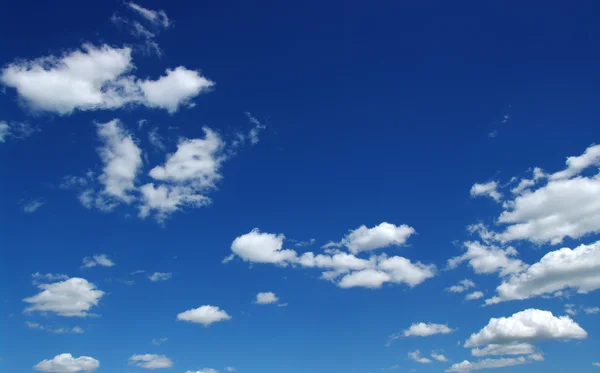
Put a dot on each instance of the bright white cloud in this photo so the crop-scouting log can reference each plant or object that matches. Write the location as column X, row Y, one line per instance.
column 426, row 329
column 101, row 260
column 122, row 159
column 489, row 259
column 558, row 270
column 165, row 200
column 66, row 363
column 266, row 298
column 367, row 278
column 95, row 78
column 151, row 361
column 381, row 236
column 262, row 248
column 467, row 366
column 156, row 17
column 204, row 315
column 462, row 286
column 504, row 349
column 575, row 165
column 72, row 297
column 160, row 276
column 487, row 189
column 474, row 295
column 33, row 205
column 73, row 330
column 416, row 356
column 526, row 326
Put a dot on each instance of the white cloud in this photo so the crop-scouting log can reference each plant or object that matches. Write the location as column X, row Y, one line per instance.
column 504, row 349
column 591, row 310
column 467, row 366
column 402, row 270
column 416, row 356
column 558, row 270
column 159, row 341
column 474, row 295
column 262, row 247
column 122, row 159
column 426, row 329
column 266, row 298
column 204, row 315
column 156, row 17
column 380, row 236
column 489, row 259
column 575, row 165
column 367, row 278
column 253, row 134
column 72, row 297
column 462, row 286
column 151, row 361
column 101, row 260
column 160, row 276
column 525, row 184
column 439, row 357
column 526, row 326
column 73, row 330
column 488, row 189
column 174, row 89
column 33, row 205
column 205, row 370
column 16, row 130
column 66, row 363
column 230, row 369
column 48, row 277
column 97, row 78
column 570, row 309
column 165, row 200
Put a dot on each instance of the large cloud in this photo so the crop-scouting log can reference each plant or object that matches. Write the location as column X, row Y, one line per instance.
column 72, row 297
column 66, row 363
column 96, row 78
column 526, row 326
column 558, row 270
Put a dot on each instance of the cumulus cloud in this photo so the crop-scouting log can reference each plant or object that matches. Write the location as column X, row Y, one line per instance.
column 73, row 330
column 487, row 189
column 101, row 260
column 204, row 315
column 380, row 236
column 485, row 259
column 467, row 366
column 526, row 326
column 558, row 270
column 426, row 329
column 266, row 298
column 575, row 165
column 66, row 363
column 439, row 357
column 259, row 247
column 462, row 286
column 160, row 276
column 151, row 361
column 72, row 297
column 95, row 78
column 474, row 295
column 504, row 349
column 156, row 17
column 416, row 356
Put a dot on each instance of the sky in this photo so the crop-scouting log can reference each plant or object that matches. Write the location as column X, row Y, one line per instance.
column 336, row 187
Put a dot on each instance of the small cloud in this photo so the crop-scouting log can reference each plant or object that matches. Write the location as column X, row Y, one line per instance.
column 101, row 260
column 493, row 134
column 266, row 298
column 138, row 272
column 160, row 276
column 159, row 341
column 33, row 205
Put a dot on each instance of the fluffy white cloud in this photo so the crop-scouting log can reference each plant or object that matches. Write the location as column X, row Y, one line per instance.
column 575, row 165
column 489, row 259
column 462, row 286
column 467, row 366
column 558, row 270
column 204, row 315
column 66, row 363
column 488, row 189
column 262, row 247
column 525, row 184
column 439, row 357
column 367, row 278
column 266, row 298
column 416, row 356
column 160, row 276
column 174, row 89
column 526, row 326
column 73, row 330
column 426, row 329
column 380, row 236
column 101, row 260
column 504, row 349
column 474, row 295
column 156, row 17
column 72, row 297
column 122, row 159
column 98, row 78
column 165, row 200
column 151, row 361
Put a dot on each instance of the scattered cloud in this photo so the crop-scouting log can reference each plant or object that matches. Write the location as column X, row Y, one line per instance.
column 467, row 366
column 591, row 310
column 230, row 369
column 474, row 295
column 16, row 130
column 72, row 297
column 48, row 277
column 381, row 236
column 205, row 370
column 462, row 286
column 156, row 17
column 156, row 139
column 101, row 260
column 33, row 205
column 489, row 189
column 570, row 309
column 260, row 247
column 66, row 363
column 159, row 341
column 426, row 329
column 204, row 315
column 73, row 330
column 160, row 276
column 266, row 298
column 416, row 356
column 504, row 349
column 439, row 357
column 485, row 259
column 151, row 361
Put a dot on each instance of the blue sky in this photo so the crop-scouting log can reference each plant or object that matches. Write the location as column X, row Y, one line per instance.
column 292, row 187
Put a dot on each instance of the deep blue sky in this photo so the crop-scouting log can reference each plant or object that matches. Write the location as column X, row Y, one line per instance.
column 374, row 113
